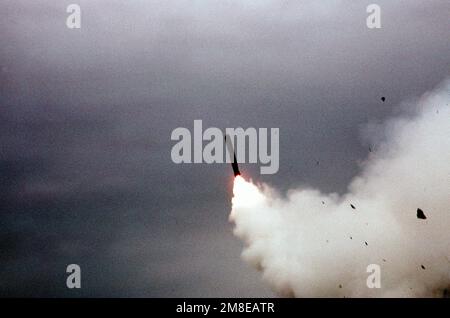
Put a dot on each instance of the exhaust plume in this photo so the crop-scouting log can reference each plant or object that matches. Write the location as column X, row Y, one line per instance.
column 311, row 244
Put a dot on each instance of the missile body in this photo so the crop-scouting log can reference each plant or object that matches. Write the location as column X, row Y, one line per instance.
column 233, row 160
column 235, row 167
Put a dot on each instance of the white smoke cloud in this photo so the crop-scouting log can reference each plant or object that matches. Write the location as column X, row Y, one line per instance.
column 311, row 244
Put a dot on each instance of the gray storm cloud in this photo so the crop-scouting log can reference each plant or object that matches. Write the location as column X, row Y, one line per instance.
column 309, row 243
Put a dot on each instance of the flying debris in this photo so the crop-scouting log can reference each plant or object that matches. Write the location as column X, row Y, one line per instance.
column 233, row 160
column 420, row 214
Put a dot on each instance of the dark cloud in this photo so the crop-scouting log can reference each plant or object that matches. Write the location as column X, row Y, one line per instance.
column 86, row 117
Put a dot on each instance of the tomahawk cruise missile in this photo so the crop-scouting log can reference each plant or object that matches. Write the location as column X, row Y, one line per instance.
column 233, row 160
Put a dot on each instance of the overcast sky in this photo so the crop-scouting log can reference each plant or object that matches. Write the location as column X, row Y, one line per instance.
column 86, row 117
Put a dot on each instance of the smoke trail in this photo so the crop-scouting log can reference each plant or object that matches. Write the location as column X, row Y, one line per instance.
column 312, row 244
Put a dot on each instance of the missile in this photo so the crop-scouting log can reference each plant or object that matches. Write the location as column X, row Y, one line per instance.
column 233, row 160
column 235, row 167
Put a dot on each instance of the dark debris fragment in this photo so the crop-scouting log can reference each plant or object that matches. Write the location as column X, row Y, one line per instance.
column 420, row 214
